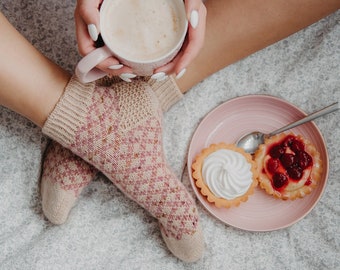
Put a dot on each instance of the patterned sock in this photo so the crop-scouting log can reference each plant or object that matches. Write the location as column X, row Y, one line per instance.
column 65, row 174
column 63, row 178
column 118, row 130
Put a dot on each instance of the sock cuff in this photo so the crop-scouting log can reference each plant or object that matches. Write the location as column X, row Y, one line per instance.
column 70, row 112
column 166, row 91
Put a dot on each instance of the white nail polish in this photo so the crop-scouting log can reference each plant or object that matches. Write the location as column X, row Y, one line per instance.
column 194, row 19
column 115, row 67
column 163, row 78
column 181, row 73
column 127, row 77
column 93, row 32
column 160, row 76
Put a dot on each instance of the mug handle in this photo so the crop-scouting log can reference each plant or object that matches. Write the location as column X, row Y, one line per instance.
column 86, row 69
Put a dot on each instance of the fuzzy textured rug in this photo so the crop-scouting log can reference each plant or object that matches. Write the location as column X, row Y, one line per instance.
column 106, row 230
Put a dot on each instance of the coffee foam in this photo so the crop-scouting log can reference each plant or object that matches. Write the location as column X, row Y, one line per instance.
column 142, row 30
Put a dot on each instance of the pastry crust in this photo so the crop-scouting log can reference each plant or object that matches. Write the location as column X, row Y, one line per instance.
column 295, row 188
column 204, row 189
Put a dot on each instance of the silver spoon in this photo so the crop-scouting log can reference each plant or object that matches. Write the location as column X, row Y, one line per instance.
column 250, row 142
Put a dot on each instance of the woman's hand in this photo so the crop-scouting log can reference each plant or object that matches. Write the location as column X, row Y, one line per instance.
column 196, row 13
column 87, row 30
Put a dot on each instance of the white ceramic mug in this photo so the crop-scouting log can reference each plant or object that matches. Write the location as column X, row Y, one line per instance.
column 141, row 34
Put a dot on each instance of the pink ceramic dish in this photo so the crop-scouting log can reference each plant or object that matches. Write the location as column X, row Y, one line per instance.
column 241, row 115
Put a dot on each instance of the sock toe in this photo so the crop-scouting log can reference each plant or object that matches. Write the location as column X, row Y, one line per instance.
column 189, row 248
column 56, row 203
column 63, row 177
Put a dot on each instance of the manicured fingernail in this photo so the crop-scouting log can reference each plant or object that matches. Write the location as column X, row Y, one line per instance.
column 194, row 19
column 160, row 76
column 93, row 32
column 127, row 77
column 181, row 73
column 119, row 66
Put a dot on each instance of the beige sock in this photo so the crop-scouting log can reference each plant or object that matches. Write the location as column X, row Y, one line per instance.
column 65, row 174
column 118, row 130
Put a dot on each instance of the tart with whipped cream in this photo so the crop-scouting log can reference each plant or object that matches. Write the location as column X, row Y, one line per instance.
column 225, row 174
column 289, row 166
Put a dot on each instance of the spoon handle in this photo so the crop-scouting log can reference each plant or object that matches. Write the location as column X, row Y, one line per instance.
column 310, row 117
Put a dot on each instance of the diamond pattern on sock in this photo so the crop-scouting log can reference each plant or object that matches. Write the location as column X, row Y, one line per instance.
column 119, row 131
column 63, row 168
column 123, row 137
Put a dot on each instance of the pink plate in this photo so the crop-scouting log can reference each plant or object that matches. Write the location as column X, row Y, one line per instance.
column 241, row 115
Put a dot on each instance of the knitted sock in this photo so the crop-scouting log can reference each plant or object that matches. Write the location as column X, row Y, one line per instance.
column 65, row 174
column 118, row 130
column 63, row 177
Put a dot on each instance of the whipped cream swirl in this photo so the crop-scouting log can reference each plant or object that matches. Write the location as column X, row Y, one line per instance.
column 227, row 174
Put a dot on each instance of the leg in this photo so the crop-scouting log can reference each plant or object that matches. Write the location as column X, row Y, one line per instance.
column 30, row 84
column 236, row 29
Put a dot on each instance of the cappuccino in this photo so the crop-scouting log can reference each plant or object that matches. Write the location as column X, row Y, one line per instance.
column 141, row 34
column 142, row 30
